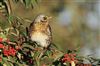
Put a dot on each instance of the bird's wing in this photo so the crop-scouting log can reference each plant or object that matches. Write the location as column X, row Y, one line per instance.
column 31, row 28
column 49, row 30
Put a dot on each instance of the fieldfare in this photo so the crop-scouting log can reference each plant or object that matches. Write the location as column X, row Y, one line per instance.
column 40, row 31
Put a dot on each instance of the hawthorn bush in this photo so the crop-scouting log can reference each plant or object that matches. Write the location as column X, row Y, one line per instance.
column 15, row 47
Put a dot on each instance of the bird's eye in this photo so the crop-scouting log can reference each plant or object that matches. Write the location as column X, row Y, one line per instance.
column 44, row 18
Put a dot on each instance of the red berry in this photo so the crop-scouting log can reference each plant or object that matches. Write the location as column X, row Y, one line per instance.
column 1, row 39
column 1, row 46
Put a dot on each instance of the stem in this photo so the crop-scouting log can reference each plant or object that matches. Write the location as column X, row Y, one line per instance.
column 72, row 63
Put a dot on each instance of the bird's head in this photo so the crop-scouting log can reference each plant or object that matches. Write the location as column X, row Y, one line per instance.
column 41, row 18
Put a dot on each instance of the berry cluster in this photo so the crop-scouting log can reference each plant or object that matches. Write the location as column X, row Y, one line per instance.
column 69, row 58
column 6, row 50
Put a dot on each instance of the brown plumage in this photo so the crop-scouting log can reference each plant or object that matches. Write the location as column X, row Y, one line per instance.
column 40, row 31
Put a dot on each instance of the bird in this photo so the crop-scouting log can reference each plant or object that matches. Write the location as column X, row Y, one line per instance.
column 40, row 31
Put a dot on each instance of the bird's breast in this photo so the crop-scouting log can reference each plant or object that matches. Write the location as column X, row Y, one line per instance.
column 40, row 38
column 41, row 27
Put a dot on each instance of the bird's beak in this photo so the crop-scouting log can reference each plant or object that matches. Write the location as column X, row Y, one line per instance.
column 48, row 17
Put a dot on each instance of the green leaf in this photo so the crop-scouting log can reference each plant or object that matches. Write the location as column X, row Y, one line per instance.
column 10, row 18
column 36, row 54
column 4, row 24
column 17, row 64
column 12, row 59
column 37, row 1
column 27, row 3
column 68, row 51
column 13, row 38
column 6, row 62
column 26, row 45
column 48, row 53
column 58, row 56
column 3, row 36
column 33, row 3
column 16, row 1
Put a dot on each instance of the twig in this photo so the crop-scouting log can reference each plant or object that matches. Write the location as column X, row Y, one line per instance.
column 12, row 43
